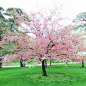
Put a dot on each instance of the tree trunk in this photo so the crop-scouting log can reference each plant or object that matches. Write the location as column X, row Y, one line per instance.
column 82, row 63
column 45, row 64
column 43, row 68
column 50, row 63
column 0, row 63
column 21, row 64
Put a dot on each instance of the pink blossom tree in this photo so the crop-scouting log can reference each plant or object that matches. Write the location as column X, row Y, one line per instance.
column 50, row 42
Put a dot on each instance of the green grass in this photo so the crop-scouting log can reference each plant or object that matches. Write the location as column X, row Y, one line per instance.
column 18, row 63
column 58, row 75
column 13, row 64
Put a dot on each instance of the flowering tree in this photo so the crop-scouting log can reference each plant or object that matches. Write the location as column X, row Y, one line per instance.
column 49, row 40
column 9, row 24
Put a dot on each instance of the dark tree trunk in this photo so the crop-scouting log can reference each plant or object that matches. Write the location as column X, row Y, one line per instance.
column 43, row 68
column 0, row 63
column 45, row 64
column 82, row 63
column 21, row 64
column 50, row 63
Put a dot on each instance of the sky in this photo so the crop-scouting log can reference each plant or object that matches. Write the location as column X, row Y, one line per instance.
column 70, row 9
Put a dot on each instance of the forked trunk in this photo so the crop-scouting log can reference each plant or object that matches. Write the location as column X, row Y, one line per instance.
column 82, row 63
column 21, row 64
column 43, row 68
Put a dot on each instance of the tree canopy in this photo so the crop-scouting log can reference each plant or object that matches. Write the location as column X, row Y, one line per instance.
column 80, row 17
column 50, row 41
column 80, row 21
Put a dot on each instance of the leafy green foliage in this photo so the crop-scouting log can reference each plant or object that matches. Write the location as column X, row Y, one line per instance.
column 80, row 20
column 8, row 14
column 1, row 16
column 80, row 27
column 18, row 10
column 1, row 31
column 1, row 22
column 1, row 9
column 80, row 17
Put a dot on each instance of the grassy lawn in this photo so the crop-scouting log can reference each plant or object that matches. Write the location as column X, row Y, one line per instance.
column 58, row 75
column 18, row 63
column 13, row 64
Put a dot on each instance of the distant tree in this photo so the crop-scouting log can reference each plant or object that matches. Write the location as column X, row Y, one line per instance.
column 12, row 22
column 9, row 23
column 80, row 21
column 1, row 31
column 80, row 17
column 1, row 19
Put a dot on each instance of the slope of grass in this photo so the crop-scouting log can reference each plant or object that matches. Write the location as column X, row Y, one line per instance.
column 58, row 75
